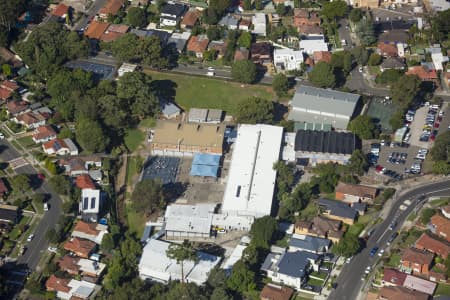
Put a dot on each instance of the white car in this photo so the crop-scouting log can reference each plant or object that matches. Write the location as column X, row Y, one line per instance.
column 360, row 69
column 368, row 269
column 52, row 249
column 380, row 254
column 46, row 206
column 30, row 237
column 2, row 137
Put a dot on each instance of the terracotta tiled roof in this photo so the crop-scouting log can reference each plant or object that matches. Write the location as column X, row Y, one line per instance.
column 57, row 284
column 356, row 190
column 83, row 181
column 441, row 224
column 43, row 132
column 190, row 18
column 30, row 118
column 309, row 29
column 417, row 256
column 399, row 292
column 9, row 85
column 422, row 73
column 79, row 246
column 69, row 264
column 387, row 49
column 51, row 144
column 96, row 30
column 433, row 245
column 322, row 56
column 197, row 44
column 3, row 188
column 110, row 36
column 112, row 7
column 88, row 228
column 276, row 292
column 15, row 107
column 301, row 13
column 60, row 10
column 394, row 276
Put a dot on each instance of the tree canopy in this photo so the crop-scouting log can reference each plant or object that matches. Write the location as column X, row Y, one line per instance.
column 90, row 136
column 405, row 90
column 348, row 246
column 244, row 71
column 147, row 196
column 322, row 75
column 255, row 110
column 262, row 231
column 181, row 253
column 334, row 9
column 280, row 84
column 364, row 127
column 136, row 17
column 245, row 39
column 389, row 76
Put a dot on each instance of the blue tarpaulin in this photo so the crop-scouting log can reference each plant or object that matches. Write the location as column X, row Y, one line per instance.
column 204, row 170
column 206, row 159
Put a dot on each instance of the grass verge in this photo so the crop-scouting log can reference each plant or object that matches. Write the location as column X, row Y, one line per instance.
column 134, row 138
column 26, row 142
column 136, row 221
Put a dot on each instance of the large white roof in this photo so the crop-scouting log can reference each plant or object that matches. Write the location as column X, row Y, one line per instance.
column 251, row 179
column 189, row 218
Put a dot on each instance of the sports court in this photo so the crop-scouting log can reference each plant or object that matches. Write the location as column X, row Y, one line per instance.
column 381, row 111
column 163, row 168
column 100, row 71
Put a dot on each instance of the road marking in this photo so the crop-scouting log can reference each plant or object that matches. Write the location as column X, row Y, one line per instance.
column 433, row 192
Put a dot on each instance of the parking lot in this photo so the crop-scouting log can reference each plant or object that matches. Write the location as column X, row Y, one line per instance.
column 398, row 165
column 416, row 128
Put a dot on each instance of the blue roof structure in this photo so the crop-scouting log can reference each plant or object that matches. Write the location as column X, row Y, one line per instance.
column 204, row 170
column 206, row 165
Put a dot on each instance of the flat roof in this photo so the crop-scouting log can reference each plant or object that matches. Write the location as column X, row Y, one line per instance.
column 234, row 257
column 326, row 142
column 250, row 187
column 419, row 284
column 189, row 218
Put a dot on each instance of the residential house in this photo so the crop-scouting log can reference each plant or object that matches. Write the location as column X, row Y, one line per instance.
column 440, row 226
column 111, row 8
column 387, row 50
column 84, row 181
column 309, row 30
column 113, row 32
column 11, row 58
column 61, row 10
column 424, row 73
column 287, row 59
column 7, row 88
column 90, row 204
column 396, row 37
column 319, row 56
column 308, row 243
column 69, row 289
column 259, row 24
column 348, row 192
column 241, row 54
column 138, row 3
column 392, row 63
column 393, row 277
column 90, row 231
column 313, row 43
column 290, row 268
column 96, row 175
column 44, row 134
column 317, row 146
column 197, row 45
column 156, row 266
column 161, row 34
column 360, row 207
column 60, row 147
column 307, row 22
column 59, row 285
column 14, row 107
column 9, row 213
column 80, row 247
column 261, row 53
column 74, row 167
column 445, row 210
column 4, row 190
column 433, row 245
column 30, row 120
column 190, row 19
column 96, row 30
column 229, row 22
column 338, row 211
column 179, row 40
column 245, row 24
column 276, row 292
column 76, row 266
column 321, row 227
column 220, row 47
column 171, row 14
column 416, row 261
column 399, row 292
column 174, row 138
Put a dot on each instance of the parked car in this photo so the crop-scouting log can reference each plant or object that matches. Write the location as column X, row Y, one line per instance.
column 373, row 251
column 2, row 136
column 380, row 254
column 392, row 238
column 30, row 237
column 46, row 206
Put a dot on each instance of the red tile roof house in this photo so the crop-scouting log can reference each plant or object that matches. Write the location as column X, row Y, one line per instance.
column 319, row 56
column 190, row 19
column 393, row 277
column 30, row 120
column 276, row 292
column 55, row 284
column 69, row 264
column 44, row 134
column 112, row 7
column 416, row 261
column 197, row 44
column 83, row 181
column 13, row 108
column 423, row 73
column 74, row 166
column 355, row 192
column 90, row 231
column 81, row 248
column 433, row 245
column 7, row 88
column 440, row 226
column 261, row 53
column 60, row 10
column 96, row 30
column 387, row 50
column 60, row 147
column 113, row 32
column 400, row 293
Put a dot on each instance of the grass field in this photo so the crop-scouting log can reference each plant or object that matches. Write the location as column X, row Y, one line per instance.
column 315, row 282
column 191, row 91
column 15, row 233
column 442, row 290
column 133, row 138
column 131, row 170
column 136, row 221
column 26, row 142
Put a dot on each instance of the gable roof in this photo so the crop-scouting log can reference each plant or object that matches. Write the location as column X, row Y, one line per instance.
column 394, row 276
column 68, row 263
column 294, row 264
column 55, row 144
column 339, row 209
column 309, row 243
column 322, row 56
column 356, row 190
column 423, row 73
column 229, row 20
column 393, row 63
column 30, row 118
column 83, row 181
column 198, row 43
column 276, row 292
column 441, row 223
column 419, row 284
column 15, row 107
column 54, row 283
column 8, row 213
column 60, row 10
column 433, row 245
column 96, row 29
column 394, row 36
column 387, row 49
column 87, row 228
column 119, row 28
column 174, row 9
column 417, row 256
column 80, row 246
column 399, row 292
column 112, row 7
column 190, row 18
column 43, row 132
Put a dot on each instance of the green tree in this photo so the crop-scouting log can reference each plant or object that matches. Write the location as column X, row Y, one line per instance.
column 150, row 52
column 356, row 15
column 262, row 231
column 389, row 76
column 285, row 177
column 21, row 183
column 397, row 120
column 426, row 215
column 360, row 54
column 210, row 55
column 136, row 17
column 213, row 33
column 375, row 59
column 181, row 253
column 107, row 243
column 245, row 39
column 6, row 70
column 281, row 9
column 220, row 294
column 259, row 5
column 322, row 75
column 60, row 184
column 52, row 236
column 342, row 60
column 217, row 278
column 365, row 32
column 90, row 136
column 348, row 246
column 247, row 5
column 358, row 163
column 364, row 127
column 441, row 167
column 280, row 84
column 147, row 196
column 405, row 90
column 441, row 147
column 254, row 110
column 332, row 10
column 244, row 71
column 126, row 48
column 242, row 279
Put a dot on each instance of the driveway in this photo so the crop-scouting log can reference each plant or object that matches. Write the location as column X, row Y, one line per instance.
column 50, row 218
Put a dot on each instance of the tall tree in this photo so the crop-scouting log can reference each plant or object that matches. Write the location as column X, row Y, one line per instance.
column 280, row 84
column 151, row 52
column 244, row 71
column 364, row 127
column 90, row 136
column 245, row 39
column 262, row 231
column 405, row 90
column 181, row 253
column 358, row 163
column 147, row 196
column 136, row 17
column 242, row 279
column 21, row 183
column 255, row 110
column 322, row 75
column 365, row 32
column 334, row 9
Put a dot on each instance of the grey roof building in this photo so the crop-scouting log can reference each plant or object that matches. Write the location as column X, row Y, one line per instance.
column 295, row 264
column 316, row 105
column 309, row 244
column 395, row 63
column 169, row 109
column 179, row 40
column 204, row 115
column 338, row 210
column 229, row 21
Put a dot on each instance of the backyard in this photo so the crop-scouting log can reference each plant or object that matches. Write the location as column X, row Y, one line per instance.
column 206, row 92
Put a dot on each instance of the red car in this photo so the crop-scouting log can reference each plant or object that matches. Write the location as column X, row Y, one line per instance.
column 432, row 137
column 436, row 125
column 41, row 176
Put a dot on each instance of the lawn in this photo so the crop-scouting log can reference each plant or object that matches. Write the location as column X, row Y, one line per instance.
column 316, row 282
column 394, row 260
column 355, row 229
column 442, row 290
column 15, row 233
column 148, row 123
column 136, row 221
column 131, row 170
column 439, row 202
column 318, row 275
column 133, row 138
column 365, row 219
column 412, row 217
column 192, row 91
column 26, row 142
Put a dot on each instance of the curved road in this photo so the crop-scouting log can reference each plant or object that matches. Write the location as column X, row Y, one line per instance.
column 30, row 259
column 349, row 282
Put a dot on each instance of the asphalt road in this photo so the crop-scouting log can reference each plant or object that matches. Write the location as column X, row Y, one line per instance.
column 92, row 11
column 349, row 282
column 358, row 83
column 39, row 244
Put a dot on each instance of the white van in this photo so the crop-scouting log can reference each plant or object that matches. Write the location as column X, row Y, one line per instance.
column 210, row 73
